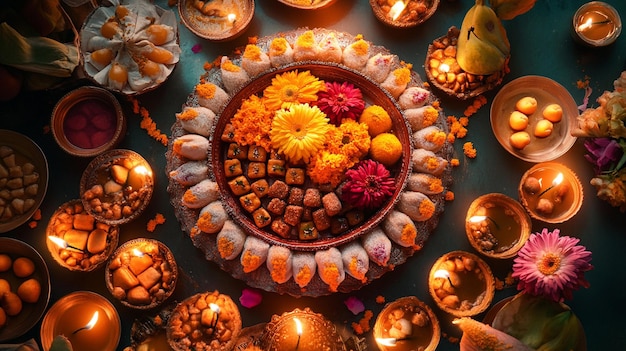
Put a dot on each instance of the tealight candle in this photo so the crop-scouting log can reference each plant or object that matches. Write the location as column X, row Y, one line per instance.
column 301, row 330
column 88, row 320
column 551, row 192
column 597, row 23
column 497, row 225
column 461, row 284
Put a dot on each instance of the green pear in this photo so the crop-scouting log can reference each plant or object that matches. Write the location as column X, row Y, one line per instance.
column 483, row 46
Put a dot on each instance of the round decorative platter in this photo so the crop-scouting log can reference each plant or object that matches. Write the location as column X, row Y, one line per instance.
column 242, row 236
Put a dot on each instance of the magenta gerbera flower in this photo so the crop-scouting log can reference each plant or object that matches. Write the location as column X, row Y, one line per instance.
column 368, row 185
column 551, row 266
column 340, row 101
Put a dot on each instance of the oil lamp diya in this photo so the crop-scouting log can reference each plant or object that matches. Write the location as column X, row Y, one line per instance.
column 301, row 330
column 407, row 324
column 597, row 24
column 551, row 192
column 86, row 319
column 497, row 226
column 461, row 284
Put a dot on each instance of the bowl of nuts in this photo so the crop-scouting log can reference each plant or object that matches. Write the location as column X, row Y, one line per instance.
column 23, row 178
column 77, row 241
column 142, row 273
column 204, row 321
column 117, row 186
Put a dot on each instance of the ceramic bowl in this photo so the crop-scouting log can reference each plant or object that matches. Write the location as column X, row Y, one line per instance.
column 88, row 121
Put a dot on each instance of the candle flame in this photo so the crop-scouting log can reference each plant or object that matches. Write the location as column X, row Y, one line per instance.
column 93, row 321
column 444, row 68
column 558, row 179
column 441, row 273
column 143, row 170
column 137, row 253
column 477, row 219
column 215, row 308
column 58, row 241
column 396, row 10
column 386, row 341
column 231, row 17
column 585, row 25
column 298, row 326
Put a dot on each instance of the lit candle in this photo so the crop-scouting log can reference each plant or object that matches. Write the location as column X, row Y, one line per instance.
column 63, row 244
column 88, row 320
column 396, row 10
column 298, row 330
column 216, row 314
column 231, row 18
column 442, row 273
column 556, row 181
column 597, row 23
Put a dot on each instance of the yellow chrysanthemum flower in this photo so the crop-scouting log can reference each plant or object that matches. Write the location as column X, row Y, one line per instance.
column 299, row 132
column 292, row 88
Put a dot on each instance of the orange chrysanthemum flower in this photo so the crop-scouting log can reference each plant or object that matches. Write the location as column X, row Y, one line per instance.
column 291, row 88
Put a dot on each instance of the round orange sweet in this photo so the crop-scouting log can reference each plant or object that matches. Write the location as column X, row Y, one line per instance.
column 5, row 262
column 377, row 120
column 526, row 105
column 553, row 113
column 23, row 267
column 386, row 149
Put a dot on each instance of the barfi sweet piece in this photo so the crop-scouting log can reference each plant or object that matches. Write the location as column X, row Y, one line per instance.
column 293, row 214
column 307, row 231
column 257, row 154
column 312, row 197
column 276, row 168
column 261, row 217
column 239, row 185
column 321, row 219
column 280, row 227
column 279, row 190
column 294, row 176
column 256, row 170
column 276, row 206
column 232, row 167
column 296, row 196
column 237, row 151
column 331, row 204
column 250, row 202
column 260, row 187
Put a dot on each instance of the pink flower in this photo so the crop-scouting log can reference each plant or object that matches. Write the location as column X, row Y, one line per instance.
column 340, row 101
column 551, row 266
column 196, row 48
column 355, row 305
column 368, row 185
column 250, row 298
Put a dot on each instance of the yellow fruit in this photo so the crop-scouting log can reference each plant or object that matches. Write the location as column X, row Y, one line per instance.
column 23, row 267
column 110, row 29
column 386, row 149
column 102, row 56
column 553, row 113
column 518, row 120
column 5, row 262
column 519, row 140
column 376, row 119
column 526, row 105
column 543, row 128
column 29, row 290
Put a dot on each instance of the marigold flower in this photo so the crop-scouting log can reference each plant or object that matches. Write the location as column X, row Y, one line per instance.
column 299, row 132
column 291, row 88
column 252, row 123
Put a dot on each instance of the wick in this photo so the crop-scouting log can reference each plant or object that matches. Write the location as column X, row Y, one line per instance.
column 298, row 342
column 607, row 21
column 452, row 285
column 494, row 222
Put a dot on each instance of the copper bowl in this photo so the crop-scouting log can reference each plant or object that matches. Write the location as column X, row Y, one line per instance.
column 221, row 29
column 308, row 5
column 425, row 331
column 372, row 93
column 404, row 19
column 64, row 222
column 80, row 131
column 141, row 258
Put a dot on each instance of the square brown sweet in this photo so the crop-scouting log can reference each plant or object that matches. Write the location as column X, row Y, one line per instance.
column 261, row 217
column 321, row 219
column 307, row 215
column 250, row 202
column 239, row 185
column 296, row 196
column 260, row 187
column 232, row 167
column 257, row 154
column 280, row 227
column 276, row 206
column 312, row 198
column 256, row 170
column 294, row 176
column 276, row 168
column 307, row 231
column 149, row 278
column 354, row 217
column 331, row 204
column 338, row 225
column 229, row 133
column 279, row 189
column 237, row 151
column 293, row 214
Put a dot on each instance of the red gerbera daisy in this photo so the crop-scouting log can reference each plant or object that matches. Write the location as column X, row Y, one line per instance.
column 340, row 101
column 368, row 185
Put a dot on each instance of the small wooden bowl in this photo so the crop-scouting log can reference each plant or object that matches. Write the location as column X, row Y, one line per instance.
column 80, row 259
column 467, row 304
column 382, row 9
column 71, row 124
column 462, row 85
column 424, row 336
column 140, row 258
column 211, row 28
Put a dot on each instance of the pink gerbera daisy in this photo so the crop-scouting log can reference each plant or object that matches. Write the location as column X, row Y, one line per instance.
column 368, row 185
column 340, row 101
column 551, row 266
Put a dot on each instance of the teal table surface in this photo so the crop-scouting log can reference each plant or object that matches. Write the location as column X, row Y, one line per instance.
column 541, row 45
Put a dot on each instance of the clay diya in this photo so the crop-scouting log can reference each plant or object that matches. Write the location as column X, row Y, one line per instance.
column 403, row 13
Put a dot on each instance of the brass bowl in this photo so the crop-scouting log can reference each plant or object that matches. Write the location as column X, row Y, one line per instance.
column 425, row 331
column 63, row 222
column 217, row 29
column 139, row 257
column 473, row 272
column 383, row 11
column 328, row 72
column 74, row 124
column 497, row 226
column 308, row 5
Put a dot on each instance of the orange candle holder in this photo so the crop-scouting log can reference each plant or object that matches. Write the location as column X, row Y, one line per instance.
column 597, row 23
column 407, row 324
column 551, row 192
column 461, row 284
column 87, row 319
column 497, row 226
